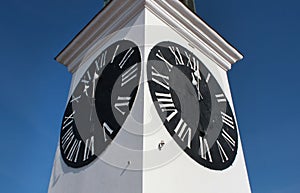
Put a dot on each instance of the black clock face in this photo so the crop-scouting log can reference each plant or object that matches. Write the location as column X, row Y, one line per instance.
column 100, row 103
column 192, row 106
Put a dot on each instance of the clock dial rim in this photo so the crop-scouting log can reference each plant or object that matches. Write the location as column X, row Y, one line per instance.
column 116, row 59
column 153, row 57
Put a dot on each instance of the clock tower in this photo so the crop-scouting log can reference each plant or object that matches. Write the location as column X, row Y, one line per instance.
column 149, row 108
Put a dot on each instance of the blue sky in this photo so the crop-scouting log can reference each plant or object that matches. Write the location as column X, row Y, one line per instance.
column 265, row 86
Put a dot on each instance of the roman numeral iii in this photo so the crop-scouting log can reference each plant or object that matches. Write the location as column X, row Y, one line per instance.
column 129, row 75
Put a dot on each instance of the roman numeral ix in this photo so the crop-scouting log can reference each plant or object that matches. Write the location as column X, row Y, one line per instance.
column 167, row 63
column 160, row 79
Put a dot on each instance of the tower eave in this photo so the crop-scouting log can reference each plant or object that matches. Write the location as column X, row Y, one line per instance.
column 198, row 33
column 118, row 13
column 110, row 19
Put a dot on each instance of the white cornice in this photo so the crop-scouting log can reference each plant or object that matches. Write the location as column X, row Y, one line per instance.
column 111, row 19
column 118, row 13
column 196, row 31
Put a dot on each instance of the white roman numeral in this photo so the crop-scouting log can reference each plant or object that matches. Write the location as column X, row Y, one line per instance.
column 160, row 56
column 126, row 57
column 222, row 153
column 115, row 53
column 86, row 78
column 204, row 149
column 183, row 131
column 89, row 149
column 77, row 151
column 189, row 62
column 68, row 120
column 75, row 99
column 88, row 75
column 221, row 98
column 66, row 137
column 129, row 75
column 164, row 79
column 124, row 101
column 178, row 58
column 68, row 142
column 100, row 62
column 227, row 120
column 106, row 127
column 85, row 90
column 208, row 77
column 228, row 139
column 74, row 151
column 166, row 104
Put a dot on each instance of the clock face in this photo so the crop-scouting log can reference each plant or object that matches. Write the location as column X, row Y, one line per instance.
column 192, row 106
column 100, row 103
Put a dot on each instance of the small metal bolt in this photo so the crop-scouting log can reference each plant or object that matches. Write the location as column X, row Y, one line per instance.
column 161, row 144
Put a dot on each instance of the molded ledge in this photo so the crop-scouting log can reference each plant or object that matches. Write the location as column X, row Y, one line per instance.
column 118, row 13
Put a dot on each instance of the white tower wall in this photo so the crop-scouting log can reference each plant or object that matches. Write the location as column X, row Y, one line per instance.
column 133, row 161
